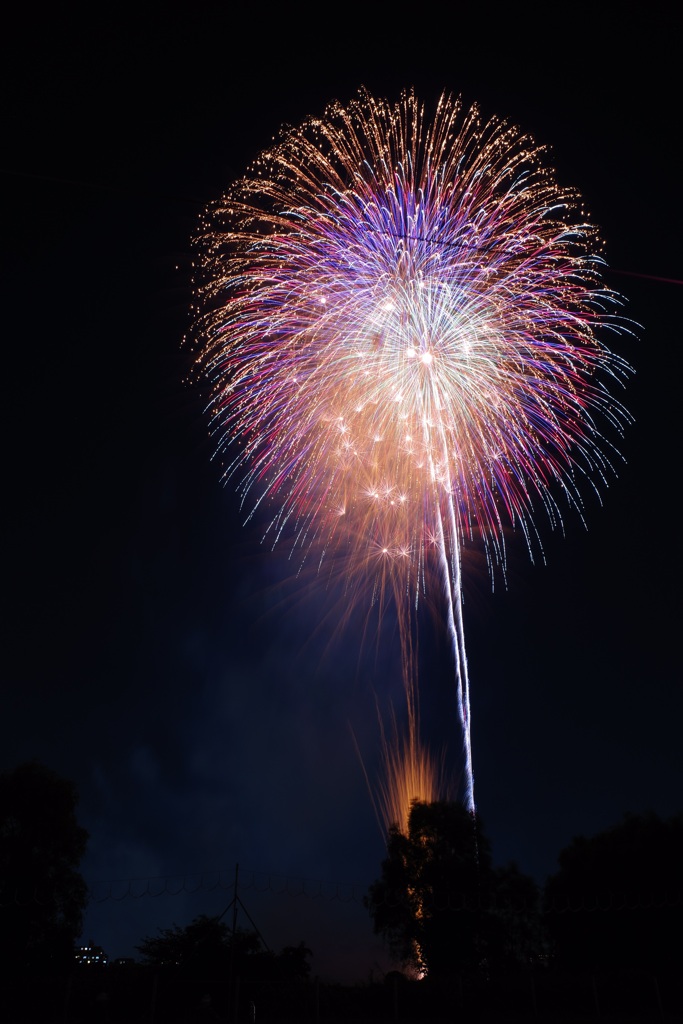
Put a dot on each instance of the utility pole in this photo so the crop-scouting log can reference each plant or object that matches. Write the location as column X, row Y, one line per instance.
column 233, row 983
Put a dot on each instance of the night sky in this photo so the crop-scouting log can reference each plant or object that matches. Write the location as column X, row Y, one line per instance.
column 203, row 701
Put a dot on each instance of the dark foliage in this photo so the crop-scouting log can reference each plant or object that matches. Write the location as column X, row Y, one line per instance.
column 207, row 948
column 201, row 946
column 441, row 906
column 42, row 894
column 616, row 901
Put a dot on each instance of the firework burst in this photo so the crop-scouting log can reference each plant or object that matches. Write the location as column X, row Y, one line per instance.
column 399, row 320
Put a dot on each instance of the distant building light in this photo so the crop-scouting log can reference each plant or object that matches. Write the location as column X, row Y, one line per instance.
column 88, row 955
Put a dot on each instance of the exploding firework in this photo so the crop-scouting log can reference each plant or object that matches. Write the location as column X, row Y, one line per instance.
column 399, row 319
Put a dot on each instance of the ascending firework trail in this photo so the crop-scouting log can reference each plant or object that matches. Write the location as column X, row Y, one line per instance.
column 399, row 319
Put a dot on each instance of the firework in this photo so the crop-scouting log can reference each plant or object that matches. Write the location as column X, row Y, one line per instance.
column 399, row 319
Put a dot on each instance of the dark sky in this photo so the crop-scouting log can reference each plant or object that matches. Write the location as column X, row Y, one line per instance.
column 154, row 651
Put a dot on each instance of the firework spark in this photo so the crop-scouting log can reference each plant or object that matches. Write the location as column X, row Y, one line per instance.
column 399, row 318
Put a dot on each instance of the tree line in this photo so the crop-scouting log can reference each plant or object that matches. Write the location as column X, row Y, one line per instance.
column 445, row 909
column 441, row 905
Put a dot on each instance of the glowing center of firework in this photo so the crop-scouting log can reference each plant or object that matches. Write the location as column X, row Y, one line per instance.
column 425, row 357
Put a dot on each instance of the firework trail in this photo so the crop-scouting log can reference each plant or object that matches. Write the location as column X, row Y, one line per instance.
column 399, row 319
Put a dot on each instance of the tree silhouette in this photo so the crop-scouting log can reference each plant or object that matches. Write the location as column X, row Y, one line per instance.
column 208, row 948
column 439, row 903
column 616, row 900
column 516, row 930
column 200, row 947
column 42, row 894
